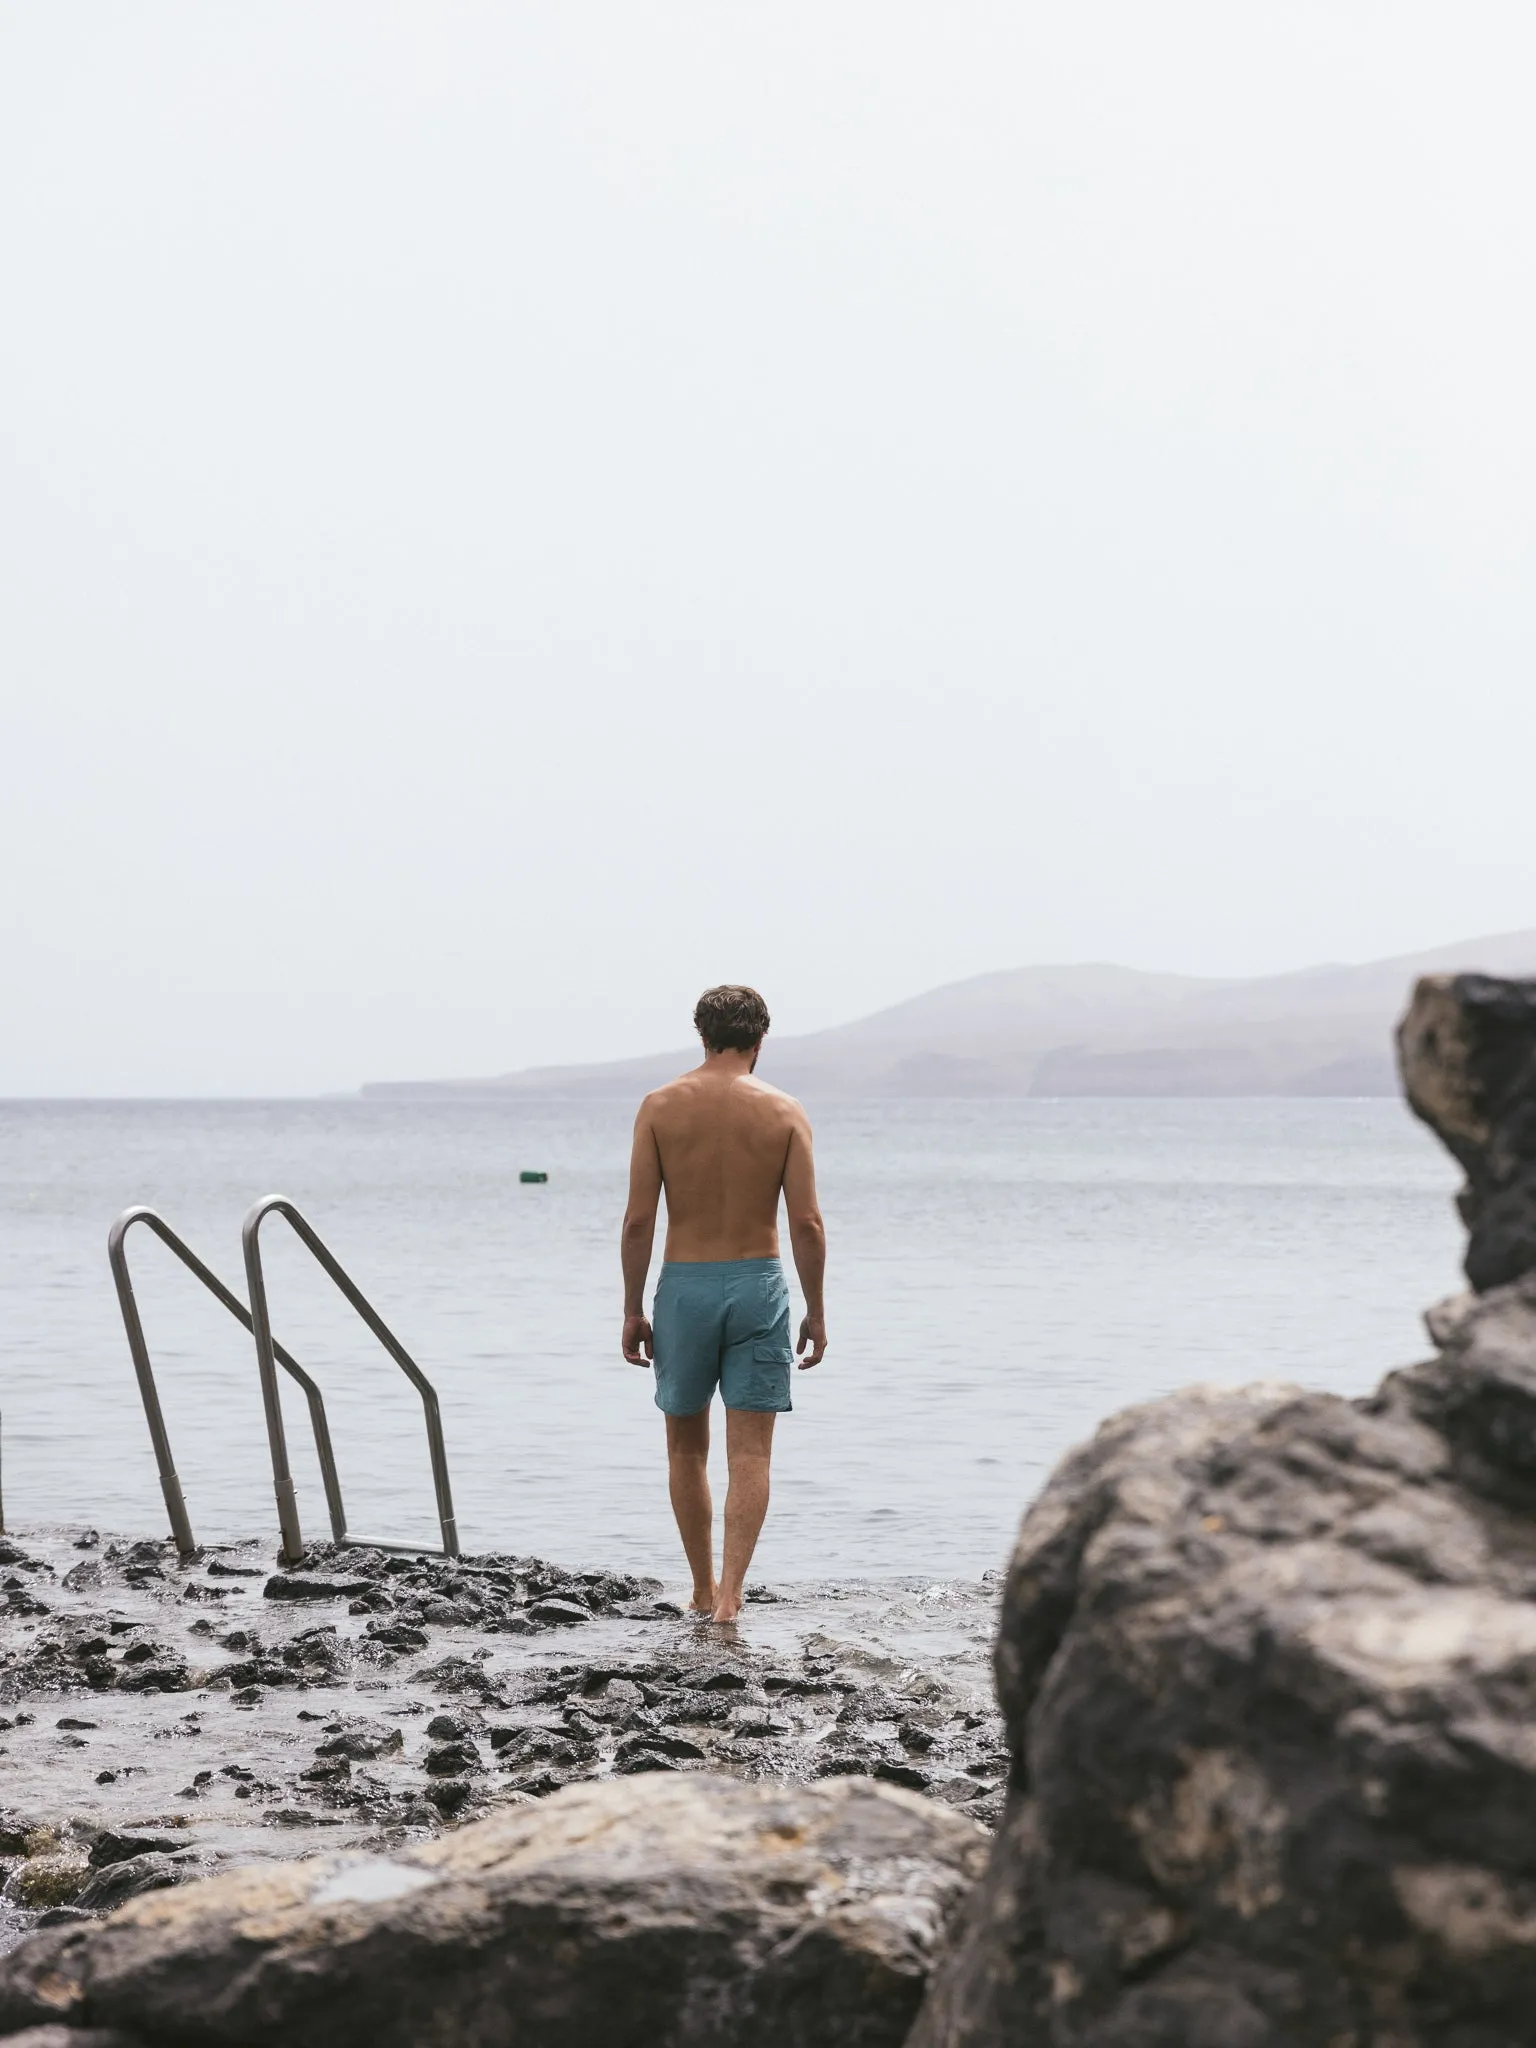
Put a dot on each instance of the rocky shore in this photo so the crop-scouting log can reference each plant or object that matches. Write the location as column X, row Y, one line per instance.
column 1266, row 1659
column 160, row 1719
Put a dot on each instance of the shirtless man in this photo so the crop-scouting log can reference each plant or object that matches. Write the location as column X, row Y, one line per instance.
column 723, row 1145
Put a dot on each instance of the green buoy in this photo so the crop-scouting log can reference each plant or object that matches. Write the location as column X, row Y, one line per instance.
column 532, row 1177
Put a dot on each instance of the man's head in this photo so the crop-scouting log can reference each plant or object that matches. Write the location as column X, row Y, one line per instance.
column 731, row 1019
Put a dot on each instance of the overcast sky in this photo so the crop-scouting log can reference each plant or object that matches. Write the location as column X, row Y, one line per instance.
column 509, row 513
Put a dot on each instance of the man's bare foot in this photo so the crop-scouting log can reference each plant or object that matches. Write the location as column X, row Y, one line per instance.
column 704, row 1601
column 727, row 1608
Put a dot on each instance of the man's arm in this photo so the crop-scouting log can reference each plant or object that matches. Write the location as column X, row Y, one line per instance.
column 638, row 1236
column 807, row 1238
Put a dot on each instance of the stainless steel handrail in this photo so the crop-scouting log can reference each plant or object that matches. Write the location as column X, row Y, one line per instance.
column 170, row 1485
column 266, row 1355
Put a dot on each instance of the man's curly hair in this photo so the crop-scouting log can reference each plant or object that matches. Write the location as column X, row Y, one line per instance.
column 730, row 1019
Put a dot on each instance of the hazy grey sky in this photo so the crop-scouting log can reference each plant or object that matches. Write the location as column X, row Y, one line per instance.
column 509, row 513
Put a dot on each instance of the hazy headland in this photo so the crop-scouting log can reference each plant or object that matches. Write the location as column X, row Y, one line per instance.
column 1091, row 1030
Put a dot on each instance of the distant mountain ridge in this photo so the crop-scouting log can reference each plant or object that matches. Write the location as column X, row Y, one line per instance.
column 1089, row 1030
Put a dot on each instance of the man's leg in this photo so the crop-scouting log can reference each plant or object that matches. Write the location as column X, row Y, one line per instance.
column 748, row 1448
column 688, row 1477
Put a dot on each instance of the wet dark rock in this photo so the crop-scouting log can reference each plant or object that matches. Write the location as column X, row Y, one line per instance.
column 754, row 1723
column 126, row 1878
column 451, row 1759
column 640, row 1760
column 114, row 1847
column 1268, row 1667
column 252, row 1672
column 558, row 1613
column 910, row 1775
column 844, row 1763
column 397, row 1636
column 299, row 1586
column 448, row 1795
column 333, row 1770
column 1467, row 1051
column 448, row 1613
column 870, row 1703
column 458, row 1675
column 537, row 1746
column 154, row 1678
column 361, row 1741
column 317, row 1655
column 695, row 1707
column 661, row 1744
column 581, row 1726
column 718, row 1678
column 685, row 1911
column 611, row 1699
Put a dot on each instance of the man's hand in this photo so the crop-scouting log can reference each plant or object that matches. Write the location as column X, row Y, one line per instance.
column 637, row 1338
column 813, row 1333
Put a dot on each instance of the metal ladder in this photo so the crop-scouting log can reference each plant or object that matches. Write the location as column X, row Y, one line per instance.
column 269, row 1355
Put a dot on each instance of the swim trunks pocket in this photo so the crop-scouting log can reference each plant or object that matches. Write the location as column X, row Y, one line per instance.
column 772, row 1354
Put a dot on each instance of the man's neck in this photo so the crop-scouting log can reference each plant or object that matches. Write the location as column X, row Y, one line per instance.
column 730, row 1066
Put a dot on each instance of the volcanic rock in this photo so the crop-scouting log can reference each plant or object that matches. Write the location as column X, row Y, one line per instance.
column 112, row 1847
column 1467, row 1050
column 360, row 1740
column 118, row 1882
column 1267, row 1663
column 300, row 1586
column 559, row 1613
column 679, row 1912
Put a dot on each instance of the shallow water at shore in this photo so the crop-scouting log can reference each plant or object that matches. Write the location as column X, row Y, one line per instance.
column 1003, row 1276
column 161, row 1716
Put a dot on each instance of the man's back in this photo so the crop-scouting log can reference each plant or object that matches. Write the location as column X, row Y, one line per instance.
column 726, row 1144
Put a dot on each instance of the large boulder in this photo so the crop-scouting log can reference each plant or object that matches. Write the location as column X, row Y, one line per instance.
column 1268, row 1665
column 669, row 1910
column 1467, row 1052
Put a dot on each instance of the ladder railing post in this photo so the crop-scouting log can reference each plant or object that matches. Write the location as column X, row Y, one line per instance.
column 170, row 1485
column 269, row 1356
column 266, row 1366
column 250, row 1238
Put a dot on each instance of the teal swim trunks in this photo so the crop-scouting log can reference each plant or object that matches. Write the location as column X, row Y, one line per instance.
column 721, row 1323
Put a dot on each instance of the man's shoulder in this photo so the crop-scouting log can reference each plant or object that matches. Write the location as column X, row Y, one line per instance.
column 676, row 1090
column 773, row 1099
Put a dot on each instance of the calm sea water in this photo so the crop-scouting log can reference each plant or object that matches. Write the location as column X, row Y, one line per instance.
column 1003, row 1275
